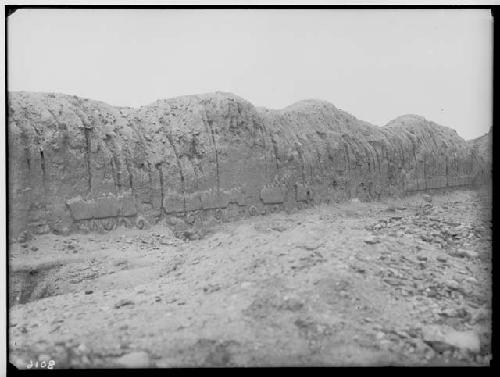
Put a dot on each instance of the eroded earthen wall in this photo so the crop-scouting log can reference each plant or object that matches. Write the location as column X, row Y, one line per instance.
column 77, row 164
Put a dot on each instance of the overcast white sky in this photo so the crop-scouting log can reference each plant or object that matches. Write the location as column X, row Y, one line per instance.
column 375, row 64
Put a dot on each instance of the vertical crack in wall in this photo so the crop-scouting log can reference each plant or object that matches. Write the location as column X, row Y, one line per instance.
column 346, row 157
column 196, row 176
column 414, row 148
column 403, row 166
column 150, row 179
column 60, row 126
column 130, row 176
column 87, row 129
column 302, row 165
column 369, row 154
column 269, row 154
column 195, row 159
column 181, row 173
column 113, row 173
column 88, row 142
column 349, row 149
column 446, row 171
column 26, row 147
column 390, row 165
column 376, row 159
column 318, row 158
column 118, row 172
column 115, row 161
column 25, row 142
column 364, row 153
column 275, row 150
column 210, row 123
column 144, row 154
column 402, row 151
column 425, row 171
column 383, row 159
column 160, row 174
column 416, row 153
column 42, row 165
column 36, row 140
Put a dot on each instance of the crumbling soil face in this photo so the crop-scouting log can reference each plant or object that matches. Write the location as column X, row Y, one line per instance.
column 78, row 165
column 399, row 282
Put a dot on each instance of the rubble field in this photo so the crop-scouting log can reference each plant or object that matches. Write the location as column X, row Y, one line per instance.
column 391, row 282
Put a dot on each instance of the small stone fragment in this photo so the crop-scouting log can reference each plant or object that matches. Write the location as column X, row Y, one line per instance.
column 123, row 302
column 372, row 241
column 138, row 359
column 461, row 253
column 361, row 270
column 464, row 340
column 443, row 339
column 292, row 304
column 452, row 284
column 427, row 198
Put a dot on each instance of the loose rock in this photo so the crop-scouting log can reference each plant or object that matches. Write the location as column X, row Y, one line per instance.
column 138, row 359
column 123, row 302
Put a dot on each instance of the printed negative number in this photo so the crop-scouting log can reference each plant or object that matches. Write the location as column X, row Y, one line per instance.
column 42, row 364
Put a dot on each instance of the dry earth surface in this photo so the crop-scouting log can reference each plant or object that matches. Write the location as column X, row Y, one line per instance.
column 396, row 282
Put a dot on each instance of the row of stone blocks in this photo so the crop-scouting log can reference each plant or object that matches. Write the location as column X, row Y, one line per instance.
column 176, row 203
column 124, row 205
column 103, row 207
column 438, row 182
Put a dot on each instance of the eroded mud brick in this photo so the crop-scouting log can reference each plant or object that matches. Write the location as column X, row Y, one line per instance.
column 223, row 199
column 421, row 184
column 209, row 200
column 108, row 206
column 431, row 183
column 303, row 193
column 412, row 185
column 441, row 181
column 173, row 203
column 81, row 209
column 272, row 195
column 193, row 202
column 214, row 200
column 127, row 205
column 236, row 196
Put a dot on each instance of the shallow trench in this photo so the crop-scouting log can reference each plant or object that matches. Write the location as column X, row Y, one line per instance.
column 32, row 284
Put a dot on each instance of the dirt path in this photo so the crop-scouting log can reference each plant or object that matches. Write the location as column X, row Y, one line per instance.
column 350, row 284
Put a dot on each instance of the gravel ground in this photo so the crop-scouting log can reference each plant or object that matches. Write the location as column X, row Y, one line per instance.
column 397, row 282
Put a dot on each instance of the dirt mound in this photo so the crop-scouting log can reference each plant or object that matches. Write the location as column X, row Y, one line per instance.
column 82, row 165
